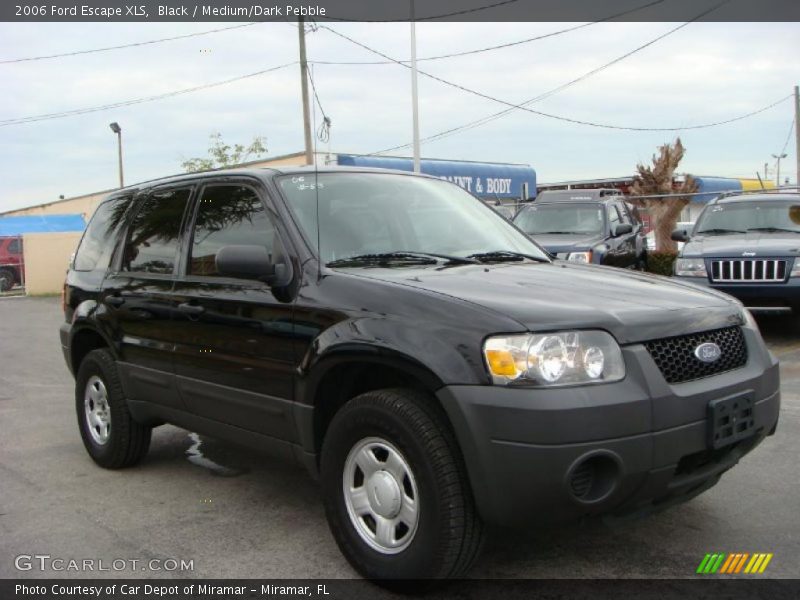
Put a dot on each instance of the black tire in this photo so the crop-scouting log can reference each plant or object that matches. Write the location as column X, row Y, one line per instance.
column 449, row 533
column 6, row 280
column 127, row 441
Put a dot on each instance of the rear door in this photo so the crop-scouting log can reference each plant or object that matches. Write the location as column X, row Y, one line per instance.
column 234, row 352
column 137, row 295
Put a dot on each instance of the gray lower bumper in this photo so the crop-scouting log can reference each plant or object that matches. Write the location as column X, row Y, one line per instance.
column 644, row 441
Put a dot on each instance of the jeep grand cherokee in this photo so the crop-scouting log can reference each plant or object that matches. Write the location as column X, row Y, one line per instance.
column 433, row 366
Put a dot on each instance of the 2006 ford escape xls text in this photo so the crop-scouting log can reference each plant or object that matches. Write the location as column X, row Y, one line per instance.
column 433, row 366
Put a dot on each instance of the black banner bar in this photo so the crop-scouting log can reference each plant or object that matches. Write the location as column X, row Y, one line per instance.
column 397, row 10
column 345, row 589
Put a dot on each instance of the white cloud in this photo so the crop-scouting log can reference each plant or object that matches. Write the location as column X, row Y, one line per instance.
column 704, row 72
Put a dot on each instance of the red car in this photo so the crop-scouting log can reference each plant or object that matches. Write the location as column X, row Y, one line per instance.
column 12, row 263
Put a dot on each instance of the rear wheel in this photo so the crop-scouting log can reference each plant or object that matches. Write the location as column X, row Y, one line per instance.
column 6, row 280
column 111, row 436
column 395, row 489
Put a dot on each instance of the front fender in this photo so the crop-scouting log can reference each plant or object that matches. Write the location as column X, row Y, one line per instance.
column 436, row 355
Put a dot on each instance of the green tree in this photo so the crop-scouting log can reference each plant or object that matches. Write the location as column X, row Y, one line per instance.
column 222, row 155
column 659, row 179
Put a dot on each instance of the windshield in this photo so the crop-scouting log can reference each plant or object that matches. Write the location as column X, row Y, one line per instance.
column 758, row 215
column 376, row 213
column 561, row 218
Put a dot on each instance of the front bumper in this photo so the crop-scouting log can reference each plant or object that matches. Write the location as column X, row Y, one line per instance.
column 756, row 295
column 641, row 443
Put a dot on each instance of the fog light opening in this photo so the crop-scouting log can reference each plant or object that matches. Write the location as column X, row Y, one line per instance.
column 593, row 478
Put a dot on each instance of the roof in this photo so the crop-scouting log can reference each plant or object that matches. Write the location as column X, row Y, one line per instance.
column 576, row 196
column 734, row 199
column 40, row 224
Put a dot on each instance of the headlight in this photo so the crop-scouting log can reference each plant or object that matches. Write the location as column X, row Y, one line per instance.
column 796, row 268
column 550, row 359
column 690, row 267
column 579, row 257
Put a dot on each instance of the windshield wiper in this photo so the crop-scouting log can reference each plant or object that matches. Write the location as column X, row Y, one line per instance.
column 773, row 229
column 719, row 230
column 505, row 255
column 398, row 258
column 556, row 232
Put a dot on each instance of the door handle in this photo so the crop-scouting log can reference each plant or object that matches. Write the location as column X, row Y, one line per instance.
column 191, row 309
column 115, row 300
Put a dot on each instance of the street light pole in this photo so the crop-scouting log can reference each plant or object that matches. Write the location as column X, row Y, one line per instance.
column 118, row 130
column 778, row 157
column 414, row 98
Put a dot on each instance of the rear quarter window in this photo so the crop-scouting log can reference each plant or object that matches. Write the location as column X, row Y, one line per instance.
column 100, row 233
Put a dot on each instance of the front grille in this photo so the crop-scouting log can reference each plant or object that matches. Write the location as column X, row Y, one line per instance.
column 675, row 357
column 748, row 270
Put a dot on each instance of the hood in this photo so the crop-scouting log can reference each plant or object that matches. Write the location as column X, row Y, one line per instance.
column 559, row 295
column 555, row 243
column 753, row 244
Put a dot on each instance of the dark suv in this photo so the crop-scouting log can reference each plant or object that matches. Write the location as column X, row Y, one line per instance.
column 413, row 349
column 748, row 246
column 586, row 226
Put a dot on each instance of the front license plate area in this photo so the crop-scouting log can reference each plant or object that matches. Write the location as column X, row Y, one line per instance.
column 730, row 420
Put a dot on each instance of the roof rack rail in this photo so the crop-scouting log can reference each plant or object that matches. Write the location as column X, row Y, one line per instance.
column 792, row 189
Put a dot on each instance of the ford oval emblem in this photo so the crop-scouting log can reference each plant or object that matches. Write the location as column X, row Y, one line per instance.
column 708, row 352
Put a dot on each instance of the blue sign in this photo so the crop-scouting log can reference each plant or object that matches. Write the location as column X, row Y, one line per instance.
column 485, row 180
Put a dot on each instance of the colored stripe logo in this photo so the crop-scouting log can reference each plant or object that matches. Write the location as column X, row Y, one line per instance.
column 734, row 563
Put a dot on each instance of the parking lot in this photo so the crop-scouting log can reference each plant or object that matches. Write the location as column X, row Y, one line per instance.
column 235, row 514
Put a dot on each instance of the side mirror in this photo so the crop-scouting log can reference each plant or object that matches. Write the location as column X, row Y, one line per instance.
column 622, row 229
column 680, row 235
column 249, row 262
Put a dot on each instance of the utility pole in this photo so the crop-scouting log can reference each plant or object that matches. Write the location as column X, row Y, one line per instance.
column 301, row 29
column 797, row 133
column 766, row 171
column 414, row 98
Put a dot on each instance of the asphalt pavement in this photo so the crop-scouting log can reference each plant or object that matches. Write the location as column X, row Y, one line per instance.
column 235, row 514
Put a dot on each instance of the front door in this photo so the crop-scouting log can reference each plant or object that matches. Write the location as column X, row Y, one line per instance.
column 234, row 353
column 137, row 296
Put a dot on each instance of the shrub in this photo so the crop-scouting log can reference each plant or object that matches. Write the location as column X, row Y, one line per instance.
column 660, row 263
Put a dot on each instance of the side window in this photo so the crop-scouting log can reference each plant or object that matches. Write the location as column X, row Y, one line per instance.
column 152, row 244
column 227, row 215
column 15, row 246
column 100, row 233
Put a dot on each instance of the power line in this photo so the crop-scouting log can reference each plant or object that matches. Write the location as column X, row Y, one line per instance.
column 324, row 131
column 788, row 137
column 542, row 96
column 132, row 45
column 91, row 109
column 560, row 117
column 498, row 46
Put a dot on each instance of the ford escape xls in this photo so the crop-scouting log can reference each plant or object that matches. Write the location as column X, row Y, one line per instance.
column 433, row 366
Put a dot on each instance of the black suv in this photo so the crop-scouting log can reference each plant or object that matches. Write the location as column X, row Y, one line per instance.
column 413, row 349
column 586, row 226
column 748, row 246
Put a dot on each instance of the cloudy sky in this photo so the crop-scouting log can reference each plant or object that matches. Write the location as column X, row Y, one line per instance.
column 703, row 73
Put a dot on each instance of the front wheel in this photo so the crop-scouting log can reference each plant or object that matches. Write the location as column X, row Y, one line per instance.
column 395, row 489
column 111, row 436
